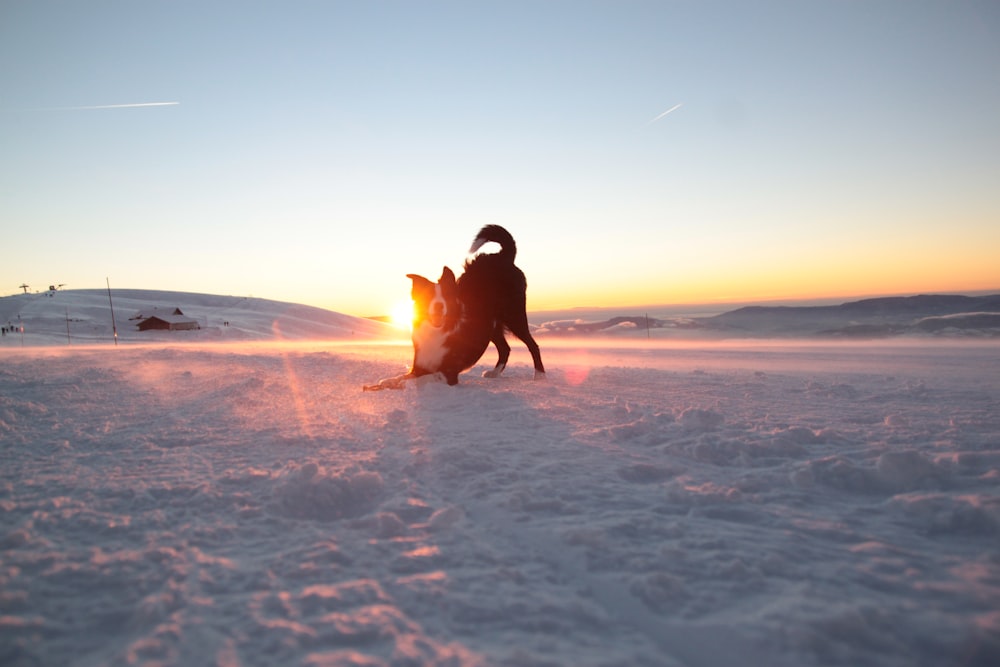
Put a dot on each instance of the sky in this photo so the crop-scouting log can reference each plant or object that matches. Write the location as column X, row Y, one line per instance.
column 652, row 152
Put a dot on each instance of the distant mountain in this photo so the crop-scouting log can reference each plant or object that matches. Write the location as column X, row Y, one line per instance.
column 867, row 317
column 898, row 306
column 928, row 314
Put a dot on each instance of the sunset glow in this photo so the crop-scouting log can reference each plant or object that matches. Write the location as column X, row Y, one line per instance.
column 640, row 153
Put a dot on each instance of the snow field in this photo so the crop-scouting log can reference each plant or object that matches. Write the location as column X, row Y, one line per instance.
column 237, row 505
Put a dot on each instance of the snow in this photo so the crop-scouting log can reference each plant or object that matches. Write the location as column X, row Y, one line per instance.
column 85, row 316
column 668, row 503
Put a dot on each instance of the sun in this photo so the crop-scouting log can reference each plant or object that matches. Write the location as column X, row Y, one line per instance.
column 402, row 315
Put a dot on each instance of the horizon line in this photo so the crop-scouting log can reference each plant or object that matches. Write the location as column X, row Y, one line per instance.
column 719, row 303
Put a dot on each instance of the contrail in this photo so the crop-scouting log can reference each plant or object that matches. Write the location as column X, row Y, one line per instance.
column 137, row 105
column 123, row 106
column 670, row 110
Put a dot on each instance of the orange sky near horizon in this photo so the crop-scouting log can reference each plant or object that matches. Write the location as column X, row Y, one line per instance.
column 640, row 153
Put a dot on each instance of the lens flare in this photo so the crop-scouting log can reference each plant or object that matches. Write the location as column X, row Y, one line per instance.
column 402, row 315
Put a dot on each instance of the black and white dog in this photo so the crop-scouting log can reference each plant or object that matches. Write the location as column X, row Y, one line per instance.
column 455, row 320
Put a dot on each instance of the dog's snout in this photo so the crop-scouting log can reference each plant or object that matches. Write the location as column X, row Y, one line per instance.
column 437, row 309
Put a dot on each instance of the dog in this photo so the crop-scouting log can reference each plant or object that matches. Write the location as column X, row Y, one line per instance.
column 455, row 320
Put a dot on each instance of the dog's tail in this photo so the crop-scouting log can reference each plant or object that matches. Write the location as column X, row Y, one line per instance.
column 496, row 234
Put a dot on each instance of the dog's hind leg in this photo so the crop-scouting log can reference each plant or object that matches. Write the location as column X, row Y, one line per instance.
column 503, row 350
column 519, row 327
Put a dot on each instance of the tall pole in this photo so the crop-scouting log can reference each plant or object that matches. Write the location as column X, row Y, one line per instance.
column 114, row 327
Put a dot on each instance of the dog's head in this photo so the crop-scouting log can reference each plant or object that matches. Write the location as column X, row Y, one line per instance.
column 435, row 304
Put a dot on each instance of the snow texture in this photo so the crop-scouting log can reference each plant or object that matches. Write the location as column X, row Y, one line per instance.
column 648, row 504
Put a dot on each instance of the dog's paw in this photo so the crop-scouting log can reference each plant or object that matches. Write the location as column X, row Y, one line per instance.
column 540, row 375
column 494, row 372
column 430, row 378
column 387, row 383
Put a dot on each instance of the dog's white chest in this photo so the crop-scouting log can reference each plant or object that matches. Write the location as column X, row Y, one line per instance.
column 429, row 344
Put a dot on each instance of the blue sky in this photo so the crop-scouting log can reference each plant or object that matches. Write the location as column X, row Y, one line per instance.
column 319, row 151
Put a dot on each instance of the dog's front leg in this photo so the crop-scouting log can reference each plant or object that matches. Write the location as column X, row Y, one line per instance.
column 503, row 351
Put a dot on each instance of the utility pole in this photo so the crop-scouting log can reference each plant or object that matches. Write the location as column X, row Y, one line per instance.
column 114, row 327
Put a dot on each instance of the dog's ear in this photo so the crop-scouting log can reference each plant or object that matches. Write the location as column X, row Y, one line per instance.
column 419, row 283
column 416, row 279
column 447, row 277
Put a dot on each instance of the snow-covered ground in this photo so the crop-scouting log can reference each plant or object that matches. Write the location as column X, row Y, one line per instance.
column 764, row 503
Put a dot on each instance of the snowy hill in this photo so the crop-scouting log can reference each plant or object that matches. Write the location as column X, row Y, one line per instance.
column 85, row 316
